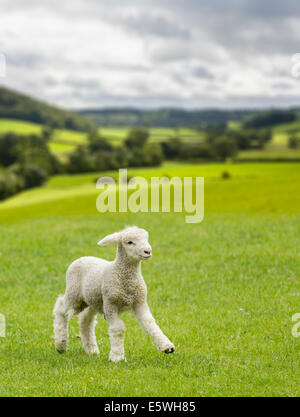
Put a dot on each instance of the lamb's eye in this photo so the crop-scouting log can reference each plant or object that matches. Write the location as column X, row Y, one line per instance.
column 130, row 243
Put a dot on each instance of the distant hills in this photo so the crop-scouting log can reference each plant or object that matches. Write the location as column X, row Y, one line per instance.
column 162, row 117
column 14, row 105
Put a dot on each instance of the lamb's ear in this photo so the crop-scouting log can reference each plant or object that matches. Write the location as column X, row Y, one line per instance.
column 114, row 238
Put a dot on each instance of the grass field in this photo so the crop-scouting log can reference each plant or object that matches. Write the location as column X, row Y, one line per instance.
column 157, row 134
column 272, row 151
column 65, row 141
column 277, row 148
column 224, row 290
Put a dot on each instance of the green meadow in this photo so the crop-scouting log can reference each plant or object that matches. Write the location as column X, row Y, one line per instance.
column 65, row 141
column 277, row 148
column 157, row 134
column 224, row 290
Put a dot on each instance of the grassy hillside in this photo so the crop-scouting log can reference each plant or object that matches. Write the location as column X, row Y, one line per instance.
column 65, row 141
column 252, row 187
column 14, row 105
column 277, row 148
column 157, row 134
column 235, row 274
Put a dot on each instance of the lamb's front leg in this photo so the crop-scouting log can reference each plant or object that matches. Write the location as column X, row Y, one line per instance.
column 148, row 323
column 116, row 332
column 87, row 321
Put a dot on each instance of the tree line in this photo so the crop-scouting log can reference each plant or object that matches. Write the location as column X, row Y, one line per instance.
column 26, row 162
column 128, row 117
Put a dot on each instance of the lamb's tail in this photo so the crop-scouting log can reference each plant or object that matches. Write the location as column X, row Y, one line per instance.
column 60, row 324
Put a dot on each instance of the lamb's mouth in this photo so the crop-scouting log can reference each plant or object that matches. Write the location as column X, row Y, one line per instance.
column 145, row 257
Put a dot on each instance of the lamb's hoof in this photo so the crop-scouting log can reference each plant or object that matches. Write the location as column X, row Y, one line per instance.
column 61, row 347
column 113, row 357
column 169, row 350
column 93, row 351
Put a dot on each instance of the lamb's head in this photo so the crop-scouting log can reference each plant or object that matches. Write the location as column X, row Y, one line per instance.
column 134, row 242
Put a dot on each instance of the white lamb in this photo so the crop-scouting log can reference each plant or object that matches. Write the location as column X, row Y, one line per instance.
column 95, row 285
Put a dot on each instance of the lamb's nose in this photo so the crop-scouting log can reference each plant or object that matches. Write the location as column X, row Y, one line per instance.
column 147, row 252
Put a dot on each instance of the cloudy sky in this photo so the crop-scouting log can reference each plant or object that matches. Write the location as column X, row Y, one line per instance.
column 153, row 53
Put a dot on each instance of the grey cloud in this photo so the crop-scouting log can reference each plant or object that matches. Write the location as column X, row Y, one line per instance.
column 127, row 68
column 269, row 9
column 169, row 51
column 202, row 72
column 100, row 99
column 24, row 59
column 50, row 81
column 147, row 24
column 260, row 101
column 82, row 83
column 186, row 42
column 282, row 86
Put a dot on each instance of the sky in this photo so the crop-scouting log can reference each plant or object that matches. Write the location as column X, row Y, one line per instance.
column 153, row 53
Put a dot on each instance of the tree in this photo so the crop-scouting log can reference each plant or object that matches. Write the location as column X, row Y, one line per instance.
column 8, row 148
column 269, row 118
column 224, row 147
column 80, row 160
column 98, row 143
column 47, row 132
column 137, row 138
column 100, row 161
column 242, row 137
column 10, row 184
column 27, row 149
column 202, row 150
column 122, row 156
column 173, row 148
column 31, row 175
column 293, row 142
column 33, row 150
column 154, row 154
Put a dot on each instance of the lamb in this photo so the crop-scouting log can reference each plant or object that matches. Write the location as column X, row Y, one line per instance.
column 95, row 285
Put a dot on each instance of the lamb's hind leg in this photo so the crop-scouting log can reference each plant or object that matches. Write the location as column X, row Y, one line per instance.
column 61, row 322
column 87, row 322
column 116, row 333
column 62, row 312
